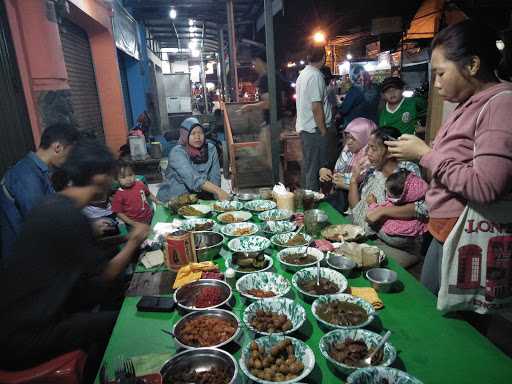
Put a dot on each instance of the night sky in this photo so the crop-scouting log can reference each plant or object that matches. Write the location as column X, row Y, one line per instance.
column 302, row 17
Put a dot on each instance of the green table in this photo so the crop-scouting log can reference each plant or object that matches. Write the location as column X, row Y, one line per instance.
column 434, row 348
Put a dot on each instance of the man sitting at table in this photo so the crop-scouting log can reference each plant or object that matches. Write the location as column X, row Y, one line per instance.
column 58, row 270
column 28, row 181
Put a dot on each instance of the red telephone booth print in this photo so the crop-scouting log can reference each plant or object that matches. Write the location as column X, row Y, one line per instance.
column 499, row 267
column 470, row 261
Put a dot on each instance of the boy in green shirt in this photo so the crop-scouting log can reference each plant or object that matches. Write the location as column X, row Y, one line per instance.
column 402, row 113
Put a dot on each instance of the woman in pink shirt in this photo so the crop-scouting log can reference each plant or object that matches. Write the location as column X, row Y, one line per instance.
column 471, row 156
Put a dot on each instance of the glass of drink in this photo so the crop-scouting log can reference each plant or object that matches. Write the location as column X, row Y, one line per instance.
column 299, row 197
column 309, row 200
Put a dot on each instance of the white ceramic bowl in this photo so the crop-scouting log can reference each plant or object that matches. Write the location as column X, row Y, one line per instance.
column 283, row 306
column 248, row 244
column 366, row 306
column 239, row 216
column 311, row 273
column 295, row 267
column 230, row 229
column 301, row 351
column 370, row 338
column 204, row 209
column 267, row 281
column 280, row 240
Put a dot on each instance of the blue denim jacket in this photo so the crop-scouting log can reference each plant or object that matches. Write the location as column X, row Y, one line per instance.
column 22, row 187
column 184, row 176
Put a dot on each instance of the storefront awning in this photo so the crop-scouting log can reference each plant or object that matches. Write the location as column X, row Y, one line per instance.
column 426, row 21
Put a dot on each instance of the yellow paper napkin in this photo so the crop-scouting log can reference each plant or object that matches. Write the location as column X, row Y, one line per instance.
column 368, row 294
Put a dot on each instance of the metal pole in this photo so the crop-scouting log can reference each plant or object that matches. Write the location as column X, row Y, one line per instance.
column 332, row 59
column 203, row 81
column 272, row 89
column 203, row 75
column 222, row 62
column 232, row 50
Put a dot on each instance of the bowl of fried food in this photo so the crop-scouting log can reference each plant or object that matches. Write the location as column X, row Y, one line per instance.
column 295, row 258
column 262, row 285
column 240, row 229
column 227, row 206
column 212, row 328
column 346, row 349
column 272, row 359
column 182, row 200
column 234, row 217
column 291, row 239
column 272, row 316
column 194, row 210
column 342, row 311
column 200, row 365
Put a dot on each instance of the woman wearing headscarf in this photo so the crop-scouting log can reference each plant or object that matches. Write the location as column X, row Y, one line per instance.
column 193, row 166
column 354, row 153
column 362, row 99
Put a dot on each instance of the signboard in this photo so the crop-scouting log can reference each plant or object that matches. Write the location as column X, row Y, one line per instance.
column 124, row 29
column 386, row 25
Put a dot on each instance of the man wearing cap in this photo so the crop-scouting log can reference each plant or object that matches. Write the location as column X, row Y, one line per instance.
column 402, row 113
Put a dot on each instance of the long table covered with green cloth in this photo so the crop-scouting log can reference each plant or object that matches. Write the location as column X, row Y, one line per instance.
column 432, row 347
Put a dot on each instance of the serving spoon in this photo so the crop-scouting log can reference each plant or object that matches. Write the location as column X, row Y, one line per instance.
column 368, row 361
column 318, row 272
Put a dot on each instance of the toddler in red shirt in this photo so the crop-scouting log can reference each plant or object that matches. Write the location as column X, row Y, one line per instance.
column 130, row 201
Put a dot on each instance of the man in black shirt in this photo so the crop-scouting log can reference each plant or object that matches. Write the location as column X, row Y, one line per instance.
column 56, row 264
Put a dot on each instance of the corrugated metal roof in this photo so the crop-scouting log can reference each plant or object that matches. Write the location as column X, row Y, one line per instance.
column 207, row 14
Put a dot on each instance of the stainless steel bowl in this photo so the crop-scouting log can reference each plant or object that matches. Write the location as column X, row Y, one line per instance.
column 219, row 313
column 200, row 359
column 342, row 263
column 382, row 278
column 247, row 196
column 208, row 244
column 185, row 295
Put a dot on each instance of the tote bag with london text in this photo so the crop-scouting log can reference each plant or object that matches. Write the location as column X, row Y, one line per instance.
column 476, row 270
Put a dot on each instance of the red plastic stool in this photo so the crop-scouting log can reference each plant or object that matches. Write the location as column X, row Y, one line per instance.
column 64, row 369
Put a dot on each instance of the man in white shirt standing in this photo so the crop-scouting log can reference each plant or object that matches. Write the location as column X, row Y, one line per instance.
column 311, row 92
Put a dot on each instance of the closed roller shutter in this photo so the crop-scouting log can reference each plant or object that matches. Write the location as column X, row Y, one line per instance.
column 82, row 81
column 15, row 129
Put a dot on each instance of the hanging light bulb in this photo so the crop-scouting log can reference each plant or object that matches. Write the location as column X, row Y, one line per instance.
column 173, row 13
column 190, row 22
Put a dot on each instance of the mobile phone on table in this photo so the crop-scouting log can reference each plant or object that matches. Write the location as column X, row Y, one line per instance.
column 156, row 304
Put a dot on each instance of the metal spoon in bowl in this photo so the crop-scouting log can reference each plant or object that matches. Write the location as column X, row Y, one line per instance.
column 368, row 361
column 169, row 333
column 318, row 272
